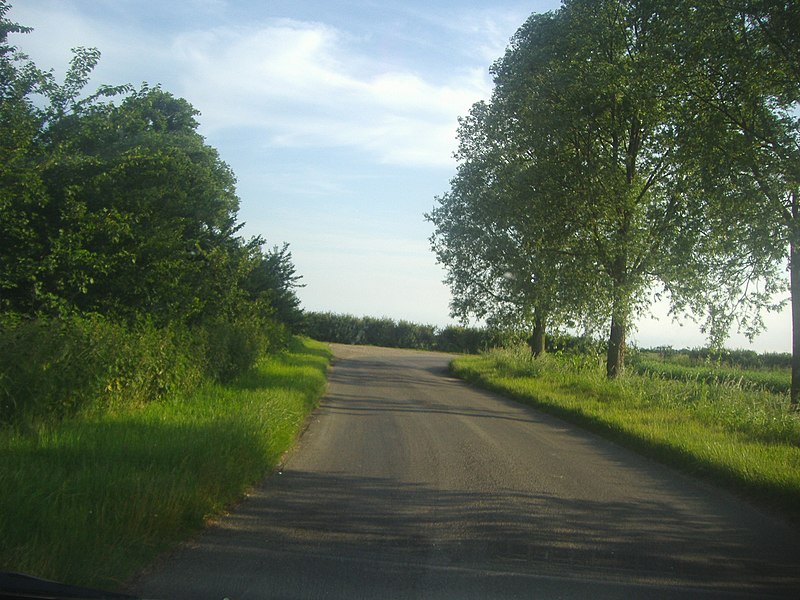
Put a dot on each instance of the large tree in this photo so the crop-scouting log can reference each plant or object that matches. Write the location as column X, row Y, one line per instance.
column 22, row 193
column 143, row 212
column 740, row 61
column 118, row 208
column 589, row 123
column 111, row 202
column 502, row 265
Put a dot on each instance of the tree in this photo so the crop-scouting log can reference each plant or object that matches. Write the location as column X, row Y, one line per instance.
column 141, row 217
column 272, row 281
column 21, row 190
column 741, row 65
column 502, row 266
column 112, row 202
column 589, row 134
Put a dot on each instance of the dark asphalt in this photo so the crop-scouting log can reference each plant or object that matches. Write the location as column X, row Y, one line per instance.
column 410, row 484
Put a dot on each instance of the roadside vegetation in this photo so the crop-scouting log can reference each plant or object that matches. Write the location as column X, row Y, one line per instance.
column 386, row 332
column 769, row 371
column 149, row 364
column 735, row 431
column 389, row 333
column 90, row 500
column 122, row 271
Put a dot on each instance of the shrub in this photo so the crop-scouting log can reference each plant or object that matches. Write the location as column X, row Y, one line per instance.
column 232, row 347
column 52, row 368
column 348, row 329
column 469, row 340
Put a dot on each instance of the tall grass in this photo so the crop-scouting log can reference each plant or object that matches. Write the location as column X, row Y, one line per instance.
column 774, row 380
column 740, row 435
column 50, row 369
column 90, row 500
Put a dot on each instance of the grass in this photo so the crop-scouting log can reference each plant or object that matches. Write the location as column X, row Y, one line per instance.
column 738, row 435
column 774, row 380
column 93, row 499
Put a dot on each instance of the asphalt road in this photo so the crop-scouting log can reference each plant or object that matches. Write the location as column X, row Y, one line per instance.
column 410, row 484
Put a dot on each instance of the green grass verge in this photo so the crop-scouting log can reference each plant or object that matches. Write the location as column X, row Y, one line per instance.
column 746, row 439
column 92, row 500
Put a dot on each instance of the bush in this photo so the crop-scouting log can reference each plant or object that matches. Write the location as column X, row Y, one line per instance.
column 572, row 344
column 232, row 347
column 330, row 327
column 52, row 368
column 743, row 359
column 469, row 340
column 55, row 368
column 348, row 329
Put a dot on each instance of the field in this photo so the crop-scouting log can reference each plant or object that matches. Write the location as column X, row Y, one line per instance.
column 90, row 500
column 716, row 422
column 769, row 372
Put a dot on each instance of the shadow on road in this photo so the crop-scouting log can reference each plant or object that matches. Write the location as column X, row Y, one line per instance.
column 335, row 527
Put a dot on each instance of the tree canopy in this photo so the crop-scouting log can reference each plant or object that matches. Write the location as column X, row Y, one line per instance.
column 112, row 202
column 621, row 155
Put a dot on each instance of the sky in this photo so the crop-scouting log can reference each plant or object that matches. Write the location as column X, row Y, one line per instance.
column 339, row 120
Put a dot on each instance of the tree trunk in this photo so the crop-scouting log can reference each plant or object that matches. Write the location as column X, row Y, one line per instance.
column 615, row 358
column 537, row 339
column 794, row 270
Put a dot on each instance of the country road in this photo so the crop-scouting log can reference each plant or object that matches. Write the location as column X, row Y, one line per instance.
column 410, row 484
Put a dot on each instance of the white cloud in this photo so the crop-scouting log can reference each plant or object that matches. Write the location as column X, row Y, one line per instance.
column 304, row 84
column 295, row 83
column 127, row 55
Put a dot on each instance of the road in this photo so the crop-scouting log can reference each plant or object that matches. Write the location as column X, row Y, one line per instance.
column 410, row 484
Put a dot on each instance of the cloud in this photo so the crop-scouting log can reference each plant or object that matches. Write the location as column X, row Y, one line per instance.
column 128, row 54
column 296, row 84
column 306, row 84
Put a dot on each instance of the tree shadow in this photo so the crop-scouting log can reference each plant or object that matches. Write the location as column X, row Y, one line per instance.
column 331, row 528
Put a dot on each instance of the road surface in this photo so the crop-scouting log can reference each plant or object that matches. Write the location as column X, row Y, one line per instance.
column 410, row 484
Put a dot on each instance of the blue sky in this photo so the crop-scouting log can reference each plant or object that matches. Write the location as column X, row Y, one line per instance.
column 338, row 119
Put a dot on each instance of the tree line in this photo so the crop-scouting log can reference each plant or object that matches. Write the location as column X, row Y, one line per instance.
column 632, row 150
column 115, row 217
column 389, row 333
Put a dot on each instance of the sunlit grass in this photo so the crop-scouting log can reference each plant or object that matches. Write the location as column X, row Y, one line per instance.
column 91, row 500
column 738, row 434
column 774, row 380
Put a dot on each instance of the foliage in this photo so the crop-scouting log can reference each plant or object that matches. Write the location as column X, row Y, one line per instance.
column 348, row 329
column 140, row 216
column 57, row 368
column 112, row 204
column 742, row 136
column 91, row 501
column 571, row 161
column 471, row 340
column 273, row 280
column 233, row 347
column 742, row 359
column 630, row 146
